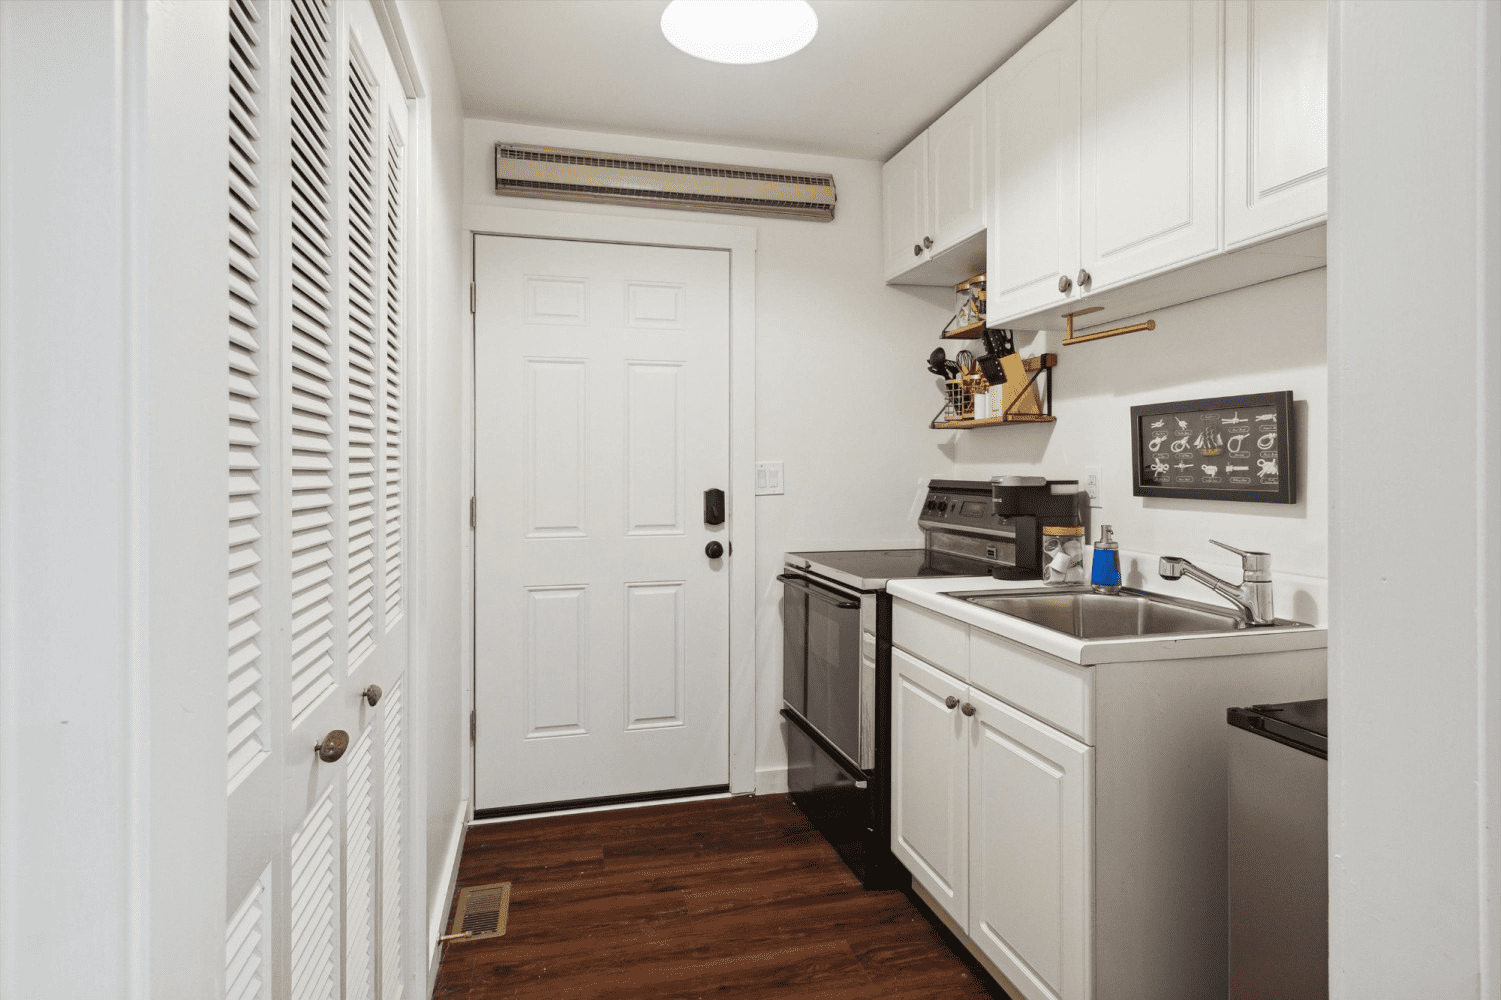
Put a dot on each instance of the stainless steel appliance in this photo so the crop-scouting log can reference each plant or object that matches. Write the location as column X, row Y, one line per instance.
column 836, row 660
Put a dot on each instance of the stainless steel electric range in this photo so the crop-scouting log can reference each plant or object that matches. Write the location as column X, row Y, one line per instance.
column 836, row 661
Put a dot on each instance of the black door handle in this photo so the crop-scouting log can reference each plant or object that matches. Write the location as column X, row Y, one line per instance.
column 713, row 550
column 713, row 506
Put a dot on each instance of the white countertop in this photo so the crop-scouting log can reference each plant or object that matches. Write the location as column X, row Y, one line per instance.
column 929, row 593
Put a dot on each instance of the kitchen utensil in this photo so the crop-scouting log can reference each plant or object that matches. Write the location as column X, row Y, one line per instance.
column 938, row 363
column 966, row 359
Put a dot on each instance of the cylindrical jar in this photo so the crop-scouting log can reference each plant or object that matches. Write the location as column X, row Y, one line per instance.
column 1063, row 554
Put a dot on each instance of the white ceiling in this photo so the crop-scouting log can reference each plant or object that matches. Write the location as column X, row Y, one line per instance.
column 876, row 75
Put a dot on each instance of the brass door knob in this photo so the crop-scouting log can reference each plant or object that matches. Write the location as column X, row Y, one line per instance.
column 927, row 241
column 968, row 709
column 917, row 249
column 1084, row 277
column 371, row 694
column 950, row 701
column 333, row 746
column 1065, row 283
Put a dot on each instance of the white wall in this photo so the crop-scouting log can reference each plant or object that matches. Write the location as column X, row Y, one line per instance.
column 839, row 363
column 1266, row 338
column 112, row 299
column 1415, row 541
column 440, row 655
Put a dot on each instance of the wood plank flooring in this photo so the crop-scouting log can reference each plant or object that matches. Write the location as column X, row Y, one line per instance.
column 729, row 898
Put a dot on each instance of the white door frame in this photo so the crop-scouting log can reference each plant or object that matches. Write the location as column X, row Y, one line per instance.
column 740, row 241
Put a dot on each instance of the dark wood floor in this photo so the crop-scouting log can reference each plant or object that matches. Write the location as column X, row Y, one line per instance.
column 730, row 898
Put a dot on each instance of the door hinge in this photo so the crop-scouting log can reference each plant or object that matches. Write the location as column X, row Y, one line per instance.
column 473, row 295
column 473, row 727
column 473, row 513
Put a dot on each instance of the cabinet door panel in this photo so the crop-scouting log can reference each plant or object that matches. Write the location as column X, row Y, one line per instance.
column 929, row 786
column 904, row 206
column 1276, row 116
column 956, row 171
column 1149, row 140
column 1033, row 236
column 1030, row 792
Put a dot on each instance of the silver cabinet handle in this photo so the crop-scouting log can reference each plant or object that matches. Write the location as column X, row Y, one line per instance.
column 333, row 746
column 950, row 701
column 1065, row 283
column 968, row 709
column 917, row 249
column 1084, row 277
column 927, row 241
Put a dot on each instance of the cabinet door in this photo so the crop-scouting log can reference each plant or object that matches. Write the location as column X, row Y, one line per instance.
column 1033, row 236
column 956, row 172
column 1030, row 845
column 1149, row 142
column 929, row 785
column 1276, row 116
column 904, row 206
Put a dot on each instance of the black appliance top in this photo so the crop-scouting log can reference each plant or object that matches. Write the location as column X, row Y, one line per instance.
column 870, row 569
column 1300, row 724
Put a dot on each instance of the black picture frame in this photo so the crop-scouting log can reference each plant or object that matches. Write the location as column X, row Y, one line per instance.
column 1210, row 449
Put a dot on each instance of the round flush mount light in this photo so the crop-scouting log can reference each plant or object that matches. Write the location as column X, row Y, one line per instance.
column 739, row 31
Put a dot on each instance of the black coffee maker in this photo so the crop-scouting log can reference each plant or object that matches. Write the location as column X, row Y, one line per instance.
column 1031, row 503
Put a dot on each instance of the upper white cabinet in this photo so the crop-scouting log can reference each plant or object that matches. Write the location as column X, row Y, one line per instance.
column 1149, row 138
column 1276, row 117
column 1033, row 105
column 933, row 197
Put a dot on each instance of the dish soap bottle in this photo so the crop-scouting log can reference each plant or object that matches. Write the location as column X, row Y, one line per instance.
column 1105, row 568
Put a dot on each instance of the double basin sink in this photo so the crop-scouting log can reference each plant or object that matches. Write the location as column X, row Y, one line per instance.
column 1088, row 615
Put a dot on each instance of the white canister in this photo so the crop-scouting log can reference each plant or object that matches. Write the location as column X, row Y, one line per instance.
column 982, row 406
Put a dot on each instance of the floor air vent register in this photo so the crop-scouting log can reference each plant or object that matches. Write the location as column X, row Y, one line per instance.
column 480, row 912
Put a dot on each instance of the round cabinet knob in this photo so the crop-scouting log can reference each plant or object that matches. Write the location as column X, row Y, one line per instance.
column 371, row 694
column 1084, row 277
column 917, row 249
column 333, row 746
column 927, row 242
column 1065, row 283
column 968, row 709
column 950, row 701
column 713, row 550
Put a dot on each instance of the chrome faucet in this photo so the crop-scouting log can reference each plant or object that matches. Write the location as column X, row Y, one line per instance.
column 1253, row 596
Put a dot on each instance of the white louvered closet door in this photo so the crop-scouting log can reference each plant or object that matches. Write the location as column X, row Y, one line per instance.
column 318, row 907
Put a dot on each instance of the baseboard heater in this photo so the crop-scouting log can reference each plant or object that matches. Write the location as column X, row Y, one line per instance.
column 621, row 179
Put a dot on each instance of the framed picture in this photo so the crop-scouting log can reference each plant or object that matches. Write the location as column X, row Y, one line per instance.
column 1230, row 448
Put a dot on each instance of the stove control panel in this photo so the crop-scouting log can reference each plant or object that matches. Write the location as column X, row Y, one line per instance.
column 962, row 510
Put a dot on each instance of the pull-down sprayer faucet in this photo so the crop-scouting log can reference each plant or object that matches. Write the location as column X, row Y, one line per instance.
column 1253, row 597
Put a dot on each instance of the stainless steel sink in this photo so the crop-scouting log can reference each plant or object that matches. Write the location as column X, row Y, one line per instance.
column 1087, row 615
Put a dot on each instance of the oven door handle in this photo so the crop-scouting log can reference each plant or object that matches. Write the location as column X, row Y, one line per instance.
column 829, row 594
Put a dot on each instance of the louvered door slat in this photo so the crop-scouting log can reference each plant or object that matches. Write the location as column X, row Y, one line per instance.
column 359, row 872
column 311, row 376
column 362, row 365
column 393, row 816
column 247, row 943
column 394, row 402
column 314, row 958
column 246, row 724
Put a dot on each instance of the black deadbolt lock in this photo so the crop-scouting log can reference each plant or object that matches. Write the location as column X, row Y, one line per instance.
column 713, row 506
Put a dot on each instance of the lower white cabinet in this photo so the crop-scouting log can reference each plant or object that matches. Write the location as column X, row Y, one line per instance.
column 1030, row 796
column 1067, row 821
column 990, row 814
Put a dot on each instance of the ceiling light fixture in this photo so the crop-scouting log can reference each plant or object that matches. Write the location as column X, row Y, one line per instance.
column 739, row 31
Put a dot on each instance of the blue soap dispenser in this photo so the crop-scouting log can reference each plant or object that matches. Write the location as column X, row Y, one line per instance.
column 1105, row 568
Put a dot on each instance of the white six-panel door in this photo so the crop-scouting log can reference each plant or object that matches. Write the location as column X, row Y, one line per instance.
column 602, row 416
column 317, row 423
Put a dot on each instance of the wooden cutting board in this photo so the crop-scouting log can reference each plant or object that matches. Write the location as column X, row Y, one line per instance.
column 1015, row 370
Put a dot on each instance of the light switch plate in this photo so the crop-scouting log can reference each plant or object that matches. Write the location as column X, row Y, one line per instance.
column 1092, row 485
column 768, row 479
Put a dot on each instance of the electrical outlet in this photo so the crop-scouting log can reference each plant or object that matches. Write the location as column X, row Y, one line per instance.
column 768, row 479
column 1092, row 485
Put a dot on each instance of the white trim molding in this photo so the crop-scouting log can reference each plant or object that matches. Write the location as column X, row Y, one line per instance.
column 740, row 241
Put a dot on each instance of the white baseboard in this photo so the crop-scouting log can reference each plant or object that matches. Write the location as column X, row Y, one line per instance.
column 771, row 780
column 439, row 913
